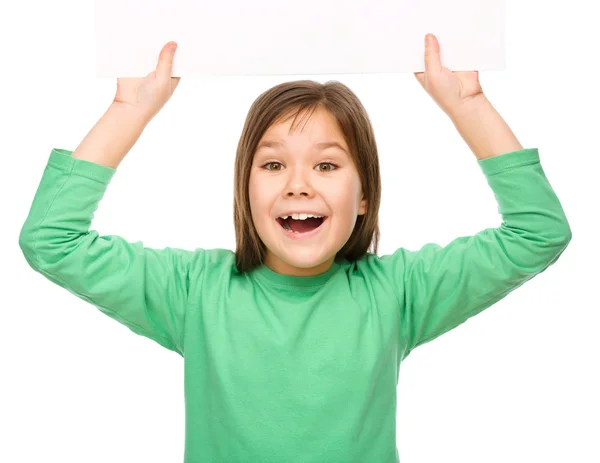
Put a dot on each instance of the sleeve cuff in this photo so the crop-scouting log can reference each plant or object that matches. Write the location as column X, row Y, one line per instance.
column 62, row 159
column 507, row 161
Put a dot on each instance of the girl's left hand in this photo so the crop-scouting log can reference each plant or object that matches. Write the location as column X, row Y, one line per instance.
column 450, row 90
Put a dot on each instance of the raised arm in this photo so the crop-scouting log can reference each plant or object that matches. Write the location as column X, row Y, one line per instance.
column 145, row 289
column 440, row 287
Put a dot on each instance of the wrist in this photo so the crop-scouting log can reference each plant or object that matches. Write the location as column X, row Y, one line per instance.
column 129, row 114
column 112, row 137
column 483, row 129
column 468, row 107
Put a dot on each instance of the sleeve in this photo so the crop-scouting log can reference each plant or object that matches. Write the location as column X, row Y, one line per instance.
column 144, row 289
column 439, row 287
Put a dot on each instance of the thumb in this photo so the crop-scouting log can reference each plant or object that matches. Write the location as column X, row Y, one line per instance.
column 432, row 55
column 165, row 60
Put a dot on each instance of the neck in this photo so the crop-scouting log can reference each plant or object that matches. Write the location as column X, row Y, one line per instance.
column 283, row 268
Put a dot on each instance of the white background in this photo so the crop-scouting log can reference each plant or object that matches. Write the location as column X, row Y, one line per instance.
column 517, row 383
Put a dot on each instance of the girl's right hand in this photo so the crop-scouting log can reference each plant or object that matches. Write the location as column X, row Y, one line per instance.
column 149, row 94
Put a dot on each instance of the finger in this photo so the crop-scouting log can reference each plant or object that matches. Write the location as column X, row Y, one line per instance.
column 433, row 64
column 165, row 60
column 420, row 77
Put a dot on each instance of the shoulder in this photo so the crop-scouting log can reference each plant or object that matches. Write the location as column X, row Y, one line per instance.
column 210, row 261
column 385, row 265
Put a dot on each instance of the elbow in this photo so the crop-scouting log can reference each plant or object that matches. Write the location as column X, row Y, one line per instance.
column 27, row 245
column 556, row 245
column 26, row 241
column 537, row 251
column 556, row 237
column 43, row 247
column 563, row 235
column 567, row 238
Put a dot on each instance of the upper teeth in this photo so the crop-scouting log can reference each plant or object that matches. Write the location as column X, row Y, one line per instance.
column 301, row 216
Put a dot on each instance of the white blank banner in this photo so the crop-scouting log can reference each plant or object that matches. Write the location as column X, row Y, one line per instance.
column 274, row 37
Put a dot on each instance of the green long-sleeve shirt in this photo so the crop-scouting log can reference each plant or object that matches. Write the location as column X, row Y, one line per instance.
column 281, row 368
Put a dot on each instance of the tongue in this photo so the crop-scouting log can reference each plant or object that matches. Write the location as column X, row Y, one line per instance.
column 303, row 226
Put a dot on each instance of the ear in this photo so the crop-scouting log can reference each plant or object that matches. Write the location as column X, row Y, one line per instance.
column 362, row 210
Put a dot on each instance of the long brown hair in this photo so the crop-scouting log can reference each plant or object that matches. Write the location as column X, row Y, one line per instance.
column 279, row 104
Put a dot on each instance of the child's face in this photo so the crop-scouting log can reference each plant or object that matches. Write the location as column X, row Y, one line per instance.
column 298, row 177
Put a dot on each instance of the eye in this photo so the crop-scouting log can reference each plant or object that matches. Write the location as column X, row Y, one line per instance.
column 331, row 166
column 271, row 163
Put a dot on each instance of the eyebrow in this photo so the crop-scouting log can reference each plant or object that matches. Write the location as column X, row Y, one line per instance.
column 279, row 144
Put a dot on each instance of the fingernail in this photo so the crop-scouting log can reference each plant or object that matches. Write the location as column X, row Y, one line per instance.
column 428, row 39
column 172, row 45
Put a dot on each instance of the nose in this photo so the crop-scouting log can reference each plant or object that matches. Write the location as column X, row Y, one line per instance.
column 298, row 184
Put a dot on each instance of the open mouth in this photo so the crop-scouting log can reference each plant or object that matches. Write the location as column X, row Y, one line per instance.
column 301, row 226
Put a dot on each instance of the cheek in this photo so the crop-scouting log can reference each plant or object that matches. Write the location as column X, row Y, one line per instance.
column 252, row 198
column 258, row 199
column 345, row 196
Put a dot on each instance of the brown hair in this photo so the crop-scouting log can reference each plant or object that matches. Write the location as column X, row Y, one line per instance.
column 280, row 103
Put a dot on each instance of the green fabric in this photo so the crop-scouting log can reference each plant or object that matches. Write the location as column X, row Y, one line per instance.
column 281, row 368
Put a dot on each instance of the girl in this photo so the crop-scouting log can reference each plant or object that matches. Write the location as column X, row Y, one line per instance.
column 292, row 344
